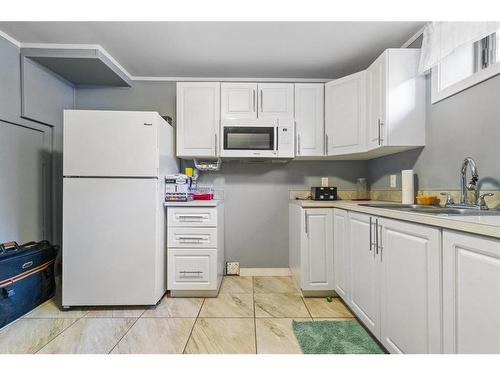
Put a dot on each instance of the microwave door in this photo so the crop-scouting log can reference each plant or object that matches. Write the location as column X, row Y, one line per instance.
column 249, row 141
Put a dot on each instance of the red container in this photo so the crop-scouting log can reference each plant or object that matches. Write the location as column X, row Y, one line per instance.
column 203, row 197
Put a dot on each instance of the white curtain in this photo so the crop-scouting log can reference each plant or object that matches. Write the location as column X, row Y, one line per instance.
column 440, row 39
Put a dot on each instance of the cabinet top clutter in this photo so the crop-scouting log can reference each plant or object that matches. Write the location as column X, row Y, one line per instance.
column 372, row 113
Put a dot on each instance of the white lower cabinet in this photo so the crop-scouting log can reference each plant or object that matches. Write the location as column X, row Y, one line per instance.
column 471, row 293
column 394, row 279
column 364, row 295
column 311, row 247
column 410, row 283
column 341, row 273
column 195, row 249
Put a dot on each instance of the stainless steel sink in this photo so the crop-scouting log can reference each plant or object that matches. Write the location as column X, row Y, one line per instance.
column 433, row 210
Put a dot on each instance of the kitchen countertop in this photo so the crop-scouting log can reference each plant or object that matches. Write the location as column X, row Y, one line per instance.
column 200, row 203
column 483, row 225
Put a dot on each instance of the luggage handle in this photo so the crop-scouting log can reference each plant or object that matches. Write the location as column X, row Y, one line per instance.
column 8, row 246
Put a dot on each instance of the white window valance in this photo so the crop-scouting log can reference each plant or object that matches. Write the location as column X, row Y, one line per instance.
column 440, row 39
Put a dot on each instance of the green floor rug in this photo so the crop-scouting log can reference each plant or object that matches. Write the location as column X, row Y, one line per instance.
column 335, row 337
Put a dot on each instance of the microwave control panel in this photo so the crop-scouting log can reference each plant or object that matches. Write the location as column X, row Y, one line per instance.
column 285, row 141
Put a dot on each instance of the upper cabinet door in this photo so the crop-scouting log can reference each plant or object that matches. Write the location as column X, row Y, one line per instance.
column 239, row 100
column 309, row 119
column 376, row 89
column 345, row 114
column 198, row 119
column 276, row 101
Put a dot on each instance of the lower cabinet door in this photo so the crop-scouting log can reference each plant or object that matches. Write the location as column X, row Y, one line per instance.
column 471, row 293
column 364, row 295
column 341, row 252
column 192, row 269
column 317, row 250
column 410, row 259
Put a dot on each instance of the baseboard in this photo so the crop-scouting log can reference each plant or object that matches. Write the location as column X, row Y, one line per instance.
column 265, row 272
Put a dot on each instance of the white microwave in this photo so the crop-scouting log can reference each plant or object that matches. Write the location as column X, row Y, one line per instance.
column 257, row 138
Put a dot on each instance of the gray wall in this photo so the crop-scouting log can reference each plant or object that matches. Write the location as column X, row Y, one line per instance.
column 466, row 124
column 256, row 195
column 45, row 96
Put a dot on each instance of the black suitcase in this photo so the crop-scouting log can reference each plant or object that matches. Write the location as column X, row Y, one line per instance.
column 26, row 278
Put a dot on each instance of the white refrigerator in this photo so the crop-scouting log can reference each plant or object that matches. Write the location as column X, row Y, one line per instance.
column 114, row 230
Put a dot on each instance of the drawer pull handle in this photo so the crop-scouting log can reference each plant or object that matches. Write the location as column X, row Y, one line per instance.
column 191, row 274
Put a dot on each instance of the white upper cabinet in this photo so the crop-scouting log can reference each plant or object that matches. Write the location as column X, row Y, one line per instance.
column 309, row 119
column 239, row 100
column 345, row 115
column 410, row 286
column 395, row 100
column 276, row 101
column 471, row 294
column 198, row 119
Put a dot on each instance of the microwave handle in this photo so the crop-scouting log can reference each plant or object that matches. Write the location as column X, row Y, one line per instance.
column 276, row 132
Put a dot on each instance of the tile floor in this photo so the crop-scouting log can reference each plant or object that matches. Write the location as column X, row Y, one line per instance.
column 250, row 315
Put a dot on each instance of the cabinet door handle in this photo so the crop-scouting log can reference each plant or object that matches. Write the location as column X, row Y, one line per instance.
column 298, row 144
column 261, row 100
column 326, row 144
column 371, row 243
column 381, row 248
column 376, row 236
column 253, row 100
column 306, row 225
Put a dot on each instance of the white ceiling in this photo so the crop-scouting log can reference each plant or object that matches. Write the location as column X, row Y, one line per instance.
column 228, row 49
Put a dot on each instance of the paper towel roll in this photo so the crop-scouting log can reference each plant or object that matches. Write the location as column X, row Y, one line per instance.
column 407, row 187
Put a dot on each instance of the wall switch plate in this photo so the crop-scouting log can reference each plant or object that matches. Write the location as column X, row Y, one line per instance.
column 233, row 268
column 393, row 180
column 324, row 181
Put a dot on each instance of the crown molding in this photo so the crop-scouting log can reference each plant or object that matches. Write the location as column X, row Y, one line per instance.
column 159, row 78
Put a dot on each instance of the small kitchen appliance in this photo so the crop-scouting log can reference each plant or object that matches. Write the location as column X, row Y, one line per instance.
column 324, row 193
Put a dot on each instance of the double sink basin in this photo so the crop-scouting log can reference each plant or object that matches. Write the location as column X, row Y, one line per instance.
column 433, row 210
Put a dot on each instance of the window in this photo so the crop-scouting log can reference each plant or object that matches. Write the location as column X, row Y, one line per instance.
column 466, row 66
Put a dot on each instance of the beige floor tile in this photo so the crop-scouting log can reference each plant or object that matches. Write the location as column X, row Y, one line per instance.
column 321, row 308
column 175, row 308
column 156, row 336
column 92, row 336
column 274, row 284
column 222, row 336
column 228, row 306
column 275, row 336
column 50, row 309
column 279, row 305
column 115, row 312
column 237, row 284
column 30, row 335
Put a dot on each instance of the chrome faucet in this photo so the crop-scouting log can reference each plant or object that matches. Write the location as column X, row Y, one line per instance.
column 472, row 185
column 479, row 203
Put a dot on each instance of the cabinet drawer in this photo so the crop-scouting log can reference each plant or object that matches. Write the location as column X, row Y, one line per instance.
column 192, row 237
column 192, row 216
column 192, row 269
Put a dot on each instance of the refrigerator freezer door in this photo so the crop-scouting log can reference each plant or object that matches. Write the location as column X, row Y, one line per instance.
column 110, row 143
column 112, row 252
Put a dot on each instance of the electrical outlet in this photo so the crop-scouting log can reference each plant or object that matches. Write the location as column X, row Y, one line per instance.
column 233, row 268
column 324, row 181
column 393, row 180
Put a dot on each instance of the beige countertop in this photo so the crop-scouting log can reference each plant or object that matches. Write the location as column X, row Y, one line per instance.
column 483, row 225
column 210, row 203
